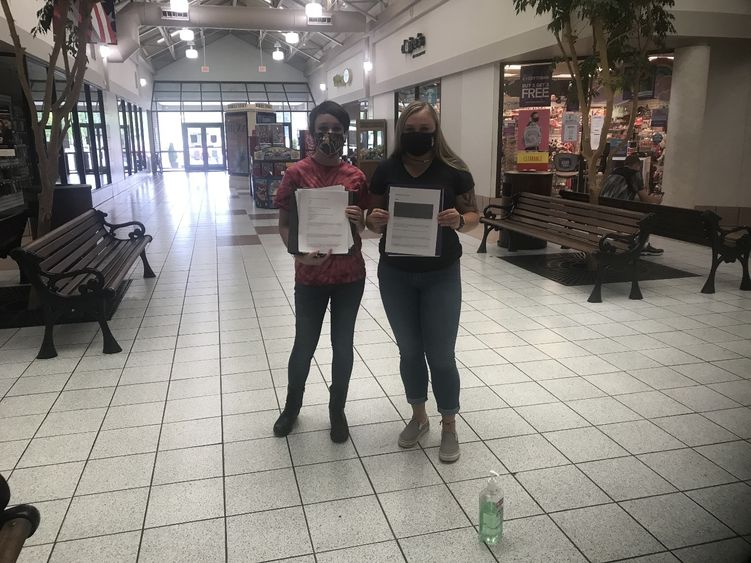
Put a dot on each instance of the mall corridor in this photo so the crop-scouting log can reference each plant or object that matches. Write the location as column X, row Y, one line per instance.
column 620, row 429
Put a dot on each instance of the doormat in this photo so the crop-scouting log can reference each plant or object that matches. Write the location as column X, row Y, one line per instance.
column 14, row 313
column 570, row 269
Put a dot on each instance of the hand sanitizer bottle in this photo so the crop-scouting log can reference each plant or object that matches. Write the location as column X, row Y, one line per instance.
column 491, row 510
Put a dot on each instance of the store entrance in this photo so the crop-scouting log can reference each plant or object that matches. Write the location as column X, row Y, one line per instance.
column 203, row 144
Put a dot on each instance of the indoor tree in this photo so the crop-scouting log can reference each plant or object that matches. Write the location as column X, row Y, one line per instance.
column 53, row 114
column 596, row 39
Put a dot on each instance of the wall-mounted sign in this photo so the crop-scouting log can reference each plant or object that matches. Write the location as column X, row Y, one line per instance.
column 261, row 68
column 343, row 79
column 414, row 46
column 535, row 86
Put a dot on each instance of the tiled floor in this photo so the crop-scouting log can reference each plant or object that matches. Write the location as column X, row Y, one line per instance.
column 621, row 429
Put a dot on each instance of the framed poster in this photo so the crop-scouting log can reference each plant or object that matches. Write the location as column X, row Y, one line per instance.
column 570, row 127
column 533, row 130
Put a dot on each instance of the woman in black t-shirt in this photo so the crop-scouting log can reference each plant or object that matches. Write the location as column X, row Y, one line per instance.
column 422, row 296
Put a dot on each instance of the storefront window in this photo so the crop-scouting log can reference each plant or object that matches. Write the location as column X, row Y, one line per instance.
column 429, row 92
column 562, row 129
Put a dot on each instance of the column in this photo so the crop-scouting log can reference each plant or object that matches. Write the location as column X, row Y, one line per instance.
column 688, row 99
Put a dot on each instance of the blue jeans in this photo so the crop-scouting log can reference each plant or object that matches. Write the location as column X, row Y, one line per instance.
column 423, row 309
column 310, row 309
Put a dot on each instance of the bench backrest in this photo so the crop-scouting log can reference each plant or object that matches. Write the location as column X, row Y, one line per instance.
column 575, row 219
column 69, row 244
column 679, row 223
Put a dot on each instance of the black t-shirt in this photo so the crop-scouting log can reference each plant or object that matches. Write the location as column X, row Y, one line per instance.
column 391, row 172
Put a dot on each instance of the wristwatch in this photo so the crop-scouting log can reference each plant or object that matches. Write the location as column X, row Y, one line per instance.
column 461, row 222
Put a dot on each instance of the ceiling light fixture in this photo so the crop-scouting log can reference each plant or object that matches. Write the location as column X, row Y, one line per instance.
column 143, row 82
column 190, row 52
column 292, row 37
column 313, row 9
column 160, row 40
column 367, row 66
column 187, row 34
column 322, row 86
column 278, row 54
column 658, row 57
column 104, row 50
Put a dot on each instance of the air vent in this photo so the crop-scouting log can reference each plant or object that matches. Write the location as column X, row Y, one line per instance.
column 322, row 20
column 172, row 15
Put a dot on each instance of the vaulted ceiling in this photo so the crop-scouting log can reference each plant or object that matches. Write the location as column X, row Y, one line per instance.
column 159, row 44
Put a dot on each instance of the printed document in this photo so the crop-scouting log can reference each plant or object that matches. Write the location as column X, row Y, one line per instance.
column 323, row 225
column 413, row 221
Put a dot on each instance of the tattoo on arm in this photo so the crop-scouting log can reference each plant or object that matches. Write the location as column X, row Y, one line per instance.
column 466, row 202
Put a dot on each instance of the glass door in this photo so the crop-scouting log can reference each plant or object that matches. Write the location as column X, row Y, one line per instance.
column 204, row 147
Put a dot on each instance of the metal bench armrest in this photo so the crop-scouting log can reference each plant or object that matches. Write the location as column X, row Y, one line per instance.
column 488, row 214
column 138, row 232
column 97, row 283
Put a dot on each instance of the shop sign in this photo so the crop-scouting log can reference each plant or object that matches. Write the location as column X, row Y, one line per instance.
column 414, row 46
column 535, row 86
column 570, row 127
column 532, row 160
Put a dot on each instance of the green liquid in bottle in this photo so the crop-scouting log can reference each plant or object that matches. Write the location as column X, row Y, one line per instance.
column 491, row 521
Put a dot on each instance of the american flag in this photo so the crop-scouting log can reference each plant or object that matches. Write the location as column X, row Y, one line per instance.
column 103, row 28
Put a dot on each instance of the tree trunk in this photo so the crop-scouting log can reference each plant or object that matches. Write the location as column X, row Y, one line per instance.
column 46, row 198
column 594, row 181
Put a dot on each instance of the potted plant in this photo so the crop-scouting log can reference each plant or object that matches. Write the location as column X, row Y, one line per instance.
column 70, row 35
column 622, row 31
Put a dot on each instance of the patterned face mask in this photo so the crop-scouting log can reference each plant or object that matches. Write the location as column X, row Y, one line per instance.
column 330, row 144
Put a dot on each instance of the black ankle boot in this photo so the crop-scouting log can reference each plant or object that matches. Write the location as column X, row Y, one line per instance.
column 286, row 420
column 339, row 428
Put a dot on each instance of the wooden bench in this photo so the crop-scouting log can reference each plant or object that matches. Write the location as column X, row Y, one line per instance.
column 79, row 266
column 728, row 244
column 608, row 236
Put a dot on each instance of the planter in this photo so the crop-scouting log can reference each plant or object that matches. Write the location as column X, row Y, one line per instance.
column 69, row 201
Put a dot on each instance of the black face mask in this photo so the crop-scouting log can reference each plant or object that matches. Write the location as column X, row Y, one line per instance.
column 330, row 144
column 417, row 143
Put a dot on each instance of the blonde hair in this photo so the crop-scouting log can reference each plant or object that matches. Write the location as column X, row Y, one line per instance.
column 441, row 149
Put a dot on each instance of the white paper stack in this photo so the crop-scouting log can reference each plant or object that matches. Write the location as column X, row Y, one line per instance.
column 322, row 223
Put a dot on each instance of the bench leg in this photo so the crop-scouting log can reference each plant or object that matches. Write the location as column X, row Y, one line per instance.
column 745, row 280
column 484, row 244
column 709, row 285
column 511, row 242
column 596, row 295
column 47, row 350
column 147, row 271
column 635, row 290
column 110, row 344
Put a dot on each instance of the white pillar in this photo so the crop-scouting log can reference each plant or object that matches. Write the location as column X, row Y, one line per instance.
column 688, row 99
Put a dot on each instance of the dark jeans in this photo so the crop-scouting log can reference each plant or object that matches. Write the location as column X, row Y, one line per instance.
column 310, row 308
column 423, row 309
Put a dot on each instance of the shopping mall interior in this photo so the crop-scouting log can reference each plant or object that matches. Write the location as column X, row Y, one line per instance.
column 603, row 345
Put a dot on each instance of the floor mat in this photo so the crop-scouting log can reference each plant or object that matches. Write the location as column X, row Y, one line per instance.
column 570, row 268
column 14, row 313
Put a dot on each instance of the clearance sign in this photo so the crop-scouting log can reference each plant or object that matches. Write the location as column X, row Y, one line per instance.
column 532, row 160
